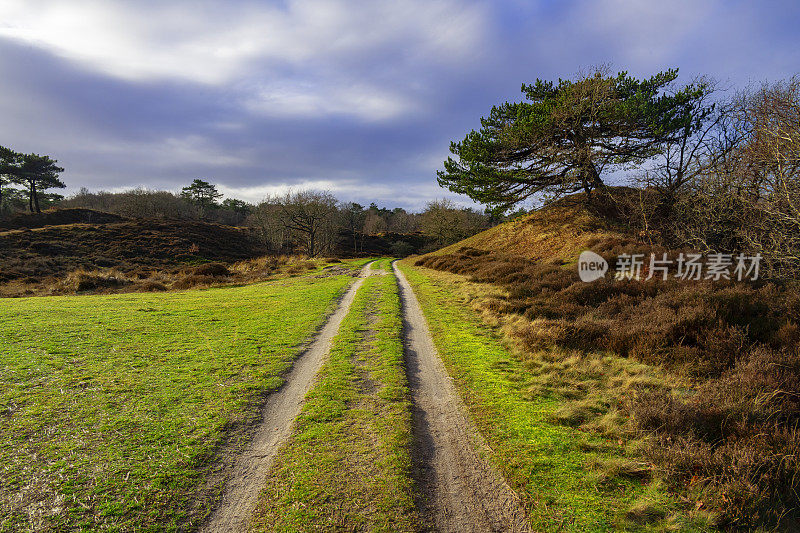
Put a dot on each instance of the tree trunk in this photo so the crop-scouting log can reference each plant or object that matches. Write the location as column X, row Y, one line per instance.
column 590, row 178
column 594, row 177
column 311, row 243
column 35, row 197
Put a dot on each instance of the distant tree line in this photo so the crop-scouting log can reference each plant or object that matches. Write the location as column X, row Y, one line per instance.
column 320, row 224
column 311, row 222
column 35, row 173
column 713, row 170
column 197, row 201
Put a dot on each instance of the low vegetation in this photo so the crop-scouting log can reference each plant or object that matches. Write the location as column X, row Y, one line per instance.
column 347, row 466
column 114, row 408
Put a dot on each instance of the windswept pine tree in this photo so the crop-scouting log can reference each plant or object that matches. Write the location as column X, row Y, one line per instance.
column 567, row 136
column 202, row 193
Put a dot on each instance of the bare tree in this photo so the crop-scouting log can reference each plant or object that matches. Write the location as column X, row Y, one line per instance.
column 374, row 223
column 266, row 220
column 311, row 216
column 447, row 223
column 135, row 203
column 770, row 174
column 706, row 137
column 403, row 222
column 750, row 201
column 353, row 216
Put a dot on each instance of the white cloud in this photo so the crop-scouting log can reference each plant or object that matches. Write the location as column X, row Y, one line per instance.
column 257, row 193
column 215, row 43
column 174, row 152
column 310, row 100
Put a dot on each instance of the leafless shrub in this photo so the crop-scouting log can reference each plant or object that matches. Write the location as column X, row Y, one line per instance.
column 743, row 192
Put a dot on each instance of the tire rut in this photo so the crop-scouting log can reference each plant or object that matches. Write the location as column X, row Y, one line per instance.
column 247, row 475
column 459, row 491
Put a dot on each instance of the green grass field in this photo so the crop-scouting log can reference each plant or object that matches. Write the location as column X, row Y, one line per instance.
column 568, row 479
column 114, row 411
column 112, row 407
column 347, row 466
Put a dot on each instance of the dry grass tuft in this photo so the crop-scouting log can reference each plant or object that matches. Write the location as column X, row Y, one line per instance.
column 211, row 269
column 82, row 280
column 645, row 513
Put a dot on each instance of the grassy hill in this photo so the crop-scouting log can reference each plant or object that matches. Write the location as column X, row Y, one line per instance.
column 557, row 233
column 42, row 250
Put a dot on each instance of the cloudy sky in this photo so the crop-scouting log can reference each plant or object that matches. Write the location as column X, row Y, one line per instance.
column 359, row 97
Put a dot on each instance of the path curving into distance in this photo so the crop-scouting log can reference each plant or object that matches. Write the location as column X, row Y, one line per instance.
column 251, row 468
column 459, row 491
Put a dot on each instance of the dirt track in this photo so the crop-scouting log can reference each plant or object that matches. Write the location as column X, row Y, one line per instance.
column 282, row 407
column 459, row 490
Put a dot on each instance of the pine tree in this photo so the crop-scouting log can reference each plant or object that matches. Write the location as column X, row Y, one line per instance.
column 566, row 136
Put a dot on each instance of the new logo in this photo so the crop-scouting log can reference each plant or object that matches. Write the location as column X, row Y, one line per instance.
column 591, row 266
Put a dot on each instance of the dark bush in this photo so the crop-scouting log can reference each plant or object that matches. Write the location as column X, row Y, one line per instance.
column 212, row 269
column 194, row 280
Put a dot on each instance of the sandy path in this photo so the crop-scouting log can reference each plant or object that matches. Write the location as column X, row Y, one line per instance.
column 279, row 412
column 459, row 490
